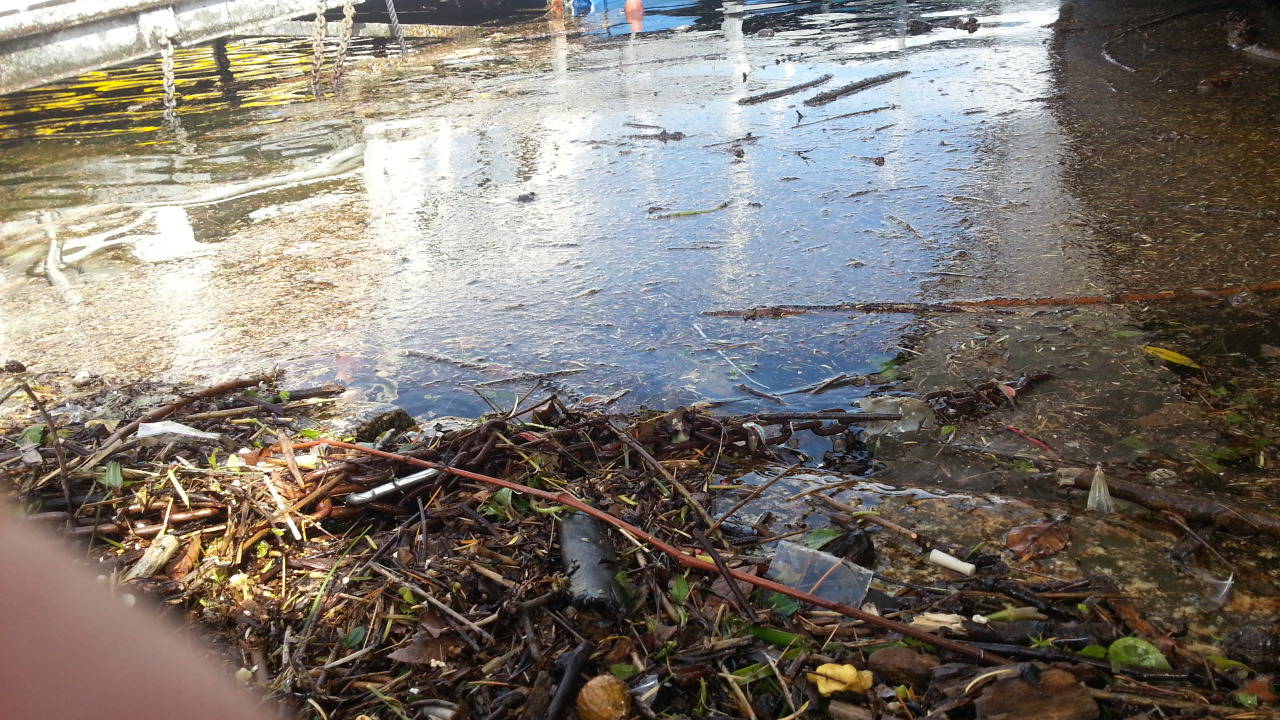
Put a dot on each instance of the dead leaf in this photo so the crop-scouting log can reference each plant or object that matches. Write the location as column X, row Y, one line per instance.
column 426, row 650
column 186, row 560
column 1171, row 356
column 1038, row 540
column 1262, row 688
column 620, row 649
column 429, row 645
column 432, row 623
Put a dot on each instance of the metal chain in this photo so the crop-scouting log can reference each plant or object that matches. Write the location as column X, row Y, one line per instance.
column 170, row 80
column 395, row 26
column 344, row 41
column 317, row 48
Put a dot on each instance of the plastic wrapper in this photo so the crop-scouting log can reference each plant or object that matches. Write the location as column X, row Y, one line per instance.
column 819, row 573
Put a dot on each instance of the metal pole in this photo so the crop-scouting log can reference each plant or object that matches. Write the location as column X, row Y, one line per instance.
column 395, row 25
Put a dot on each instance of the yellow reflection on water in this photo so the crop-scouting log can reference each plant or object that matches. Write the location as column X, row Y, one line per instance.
column 129, row 100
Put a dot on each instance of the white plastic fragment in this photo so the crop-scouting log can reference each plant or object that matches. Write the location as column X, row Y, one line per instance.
column 916, row 414
column 308, row 461
column 167, row 431
column 1099, row 495
column 933, row 622
column 951, row 562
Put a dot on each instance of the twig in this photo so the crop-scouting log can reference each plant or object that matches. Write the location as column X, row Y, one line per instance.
column 841, row 116
column 682, row 558
column 776, row 418
column 743, row 606
column 56, row 441
column 286, row 448
column 1106, row 46
column 775, row 94
column 761, row 394
column 851, row 88
column 686, row 213
column 747, row 139
column 432, row 600
column 570, row 680
column 726, row 358
column 525, row 377
column 630, row 442
column 1179, row 704
column 109, row 445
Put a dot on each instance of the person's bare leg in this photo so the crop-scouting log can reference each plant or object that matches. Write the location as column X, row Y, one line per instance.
column 69, row 649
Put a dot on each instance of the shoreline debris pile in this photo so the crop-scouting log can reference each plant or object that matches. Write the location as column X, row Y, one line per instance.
column 554, row 561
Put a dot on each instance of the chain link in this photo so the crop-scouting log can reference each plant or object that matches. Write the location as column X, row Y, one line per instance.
column 344, row 41
column 317, row 48
column 170, row 80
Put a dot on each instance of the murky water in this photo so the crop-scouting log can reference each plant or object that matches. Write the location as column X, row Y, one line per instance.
column 553, row 206
column 499, row 199
column 481, row 211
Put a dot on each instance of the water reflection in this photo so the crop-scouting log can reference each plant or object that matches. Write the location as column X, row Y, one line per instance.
column 531, row 224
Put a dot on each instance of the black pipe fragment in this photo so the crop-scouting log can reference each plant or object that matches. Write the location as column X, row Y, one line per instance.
column 590, row 563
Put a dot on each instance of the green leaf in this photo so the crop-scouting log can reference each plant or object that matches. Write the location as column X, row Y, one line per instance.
column 112, row 476
column 624, row 584
column 407, row 595
column 31, row 435
column 817, row 538
column 1224, row 663
column 501, row 502
column 311, row 434
column 890, row 371
column 753, row 672
column 679, row 590
column 947, row 431
column 1132, row 652
column 1247, row 700
column 623, row 671
column 355, row 638
column 1093, row 651
column 285, row 395
column 914, row 643
column 784, row 605
column 773, row 636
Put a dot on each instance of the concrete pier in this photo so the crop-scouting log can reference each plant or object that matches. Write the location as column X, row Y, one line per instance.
column 41, row 41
